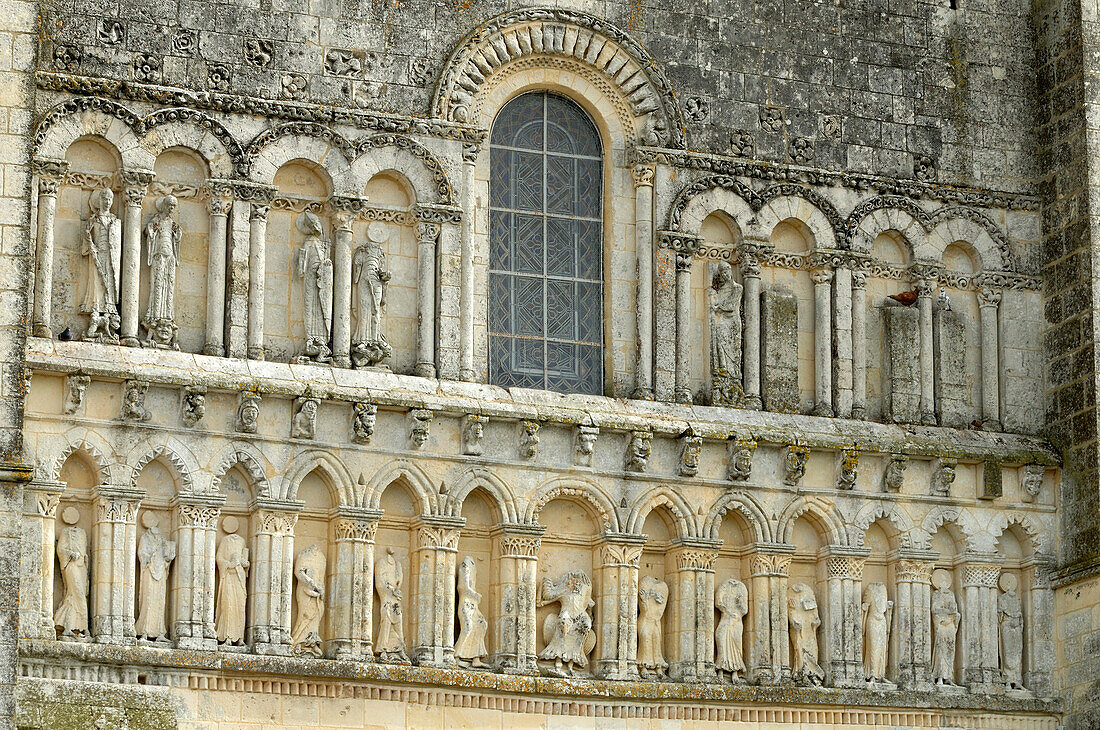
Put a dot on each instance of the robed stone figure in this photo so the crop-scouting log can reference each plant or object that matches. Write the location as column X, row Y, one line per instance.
column 162, row 241
column 371, row 279
column 71, row 616
column 101, row 247
column 232, row 561
column 314, row 267
column 155, row 555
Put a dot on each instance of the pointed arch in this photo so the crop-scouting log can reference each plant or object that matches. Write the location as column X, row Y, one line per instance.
column 577, row 488
column 322, row 146
column 874, row 511
column 1039, row 535
column 93, row 446
column 958, row 223
column 251, row 459
column 70, row 120
column 172, row 450
column 749, row 508
column 821, row 511
column 426, row 493
column 301, row 464
column 378, row 153
column 538, row 35
column 480, row 478
column 658, row 496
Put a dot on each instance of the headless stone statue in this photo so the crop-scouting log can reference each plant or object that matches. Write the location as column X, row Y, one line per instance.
column 388, row 576
column 155, row 554
column 568, row 632
column 232, row 561
column 470, row 649
column 877, row 612
column 652, row 602
column 309, row 571
column 732, row 601
column 804, row 619
column 71, row 616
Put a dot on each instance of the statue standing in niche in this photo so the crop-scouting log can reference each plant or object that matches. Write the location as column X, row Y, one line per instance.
column 568, row 633
column 155, row 554
column 309, row 570
column 725, row 338
column 470, row 649
column 388, row 576
column 732, row 600
column 945, row 628
column 371, row 277
column 804, row 619
column 232, row 560
column 652, row 602
column 162, row 239
column 877, row 612
column 1012, row 632
column 71, row 617
column 314, row 266
column 102, row 246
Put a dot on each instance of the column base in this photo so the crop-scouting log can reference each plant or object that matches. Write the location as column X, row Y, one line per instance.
column 611, row 669
column 859, row 413
column 642, row 394
column 928, row 418
column 753, row 402
column 341, row 361
column 468, row 376
column 129, row 341
column 268, row 649
column 214, row 350
column 991, row 424
column 682, row 395
column 424, row 370
column 824, row 410
column 40, row 329
column 196, row 643
column 255, row 353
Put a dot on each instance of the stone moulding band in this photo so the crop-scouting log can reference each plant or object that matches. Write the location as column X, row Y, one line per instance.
column 213, row 671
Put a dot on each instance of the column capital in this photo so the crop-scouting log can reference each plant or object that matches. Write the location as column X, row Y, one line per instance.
column 643, row 174
column 41, row 497
column 911, row 570
column 984, row 575
column 276, row 516
column 518, row 540
column 259, row 211
column 349, row 204
column 989, row 297
column 859, row 279
column 427, row 232
column 436, row 532
column 117, row 503
column 470, row 151
column 49, row 168
column 695, row 553
column 765, row 562
column 845, row 567
column 821, row 276
column 135, row 182
column 357, row 529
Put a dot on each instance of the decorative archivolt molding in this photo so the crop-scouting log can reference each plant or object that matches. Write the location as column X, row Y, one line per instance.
column 558, row 32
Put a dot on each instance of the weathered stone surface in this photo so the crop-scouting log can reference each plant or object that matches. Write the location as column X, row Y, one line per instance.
column 778, row 346
column 953, row 408
column 903, row 363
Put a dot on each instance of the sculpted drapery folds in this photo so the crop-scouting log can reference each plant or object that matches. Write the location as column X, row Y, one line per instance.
column 945, row 628
column 388, row 578
column 162, row 241
column 470, row 649
column 732, row 602
column 568, row 632
column 1011, row 619
column 71, row 616
column 371, row 278
column 155, row 555
column 725, row 337
column 314, row 268
column 309, row 571
column 652, row 603
column 233, row 564
column 804, row 619
column 877, row 614
column 102, row 248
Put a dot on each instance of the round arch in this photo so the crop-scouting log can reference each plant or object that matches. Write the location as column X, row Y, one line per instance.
column 197, row 132
column 422, row 487
column 659, row 496
column 316, row 143
column 494, row 486
column 379, row 153
column 872, row 512
column 580, row 489
column 962, row 224
column 796, row 204
column 71, row 120
column 749, row 508
column 821, row 511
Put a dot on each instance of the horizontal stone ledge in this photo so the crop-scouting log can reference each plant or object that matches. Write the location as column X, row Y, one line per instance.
column 234, row 666
column 180, row 369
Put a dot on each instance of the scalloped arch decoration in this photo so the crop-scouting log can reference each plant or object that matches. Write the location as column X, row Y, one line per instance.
column 577, row 489
column 493, row 485
column 662, row 496
column 749, row 509
column 562, row 33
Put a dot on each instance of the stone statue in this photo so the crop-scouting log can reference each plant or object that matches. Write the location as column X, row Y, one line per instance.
column 568, row 633
column 725, row 338
column 193, row 406
column 528, row 439
column 794, row 464
column 102, row 245
column 71, row 616
column 877, row 613
column 155, row 554
column 309, row 571
column 473, row 431
column 420, row 423
column 732, row 601
column 945, row 627
column 388, row 575
column 652, row 602
column 740, row 459
column 470, row 650
column 804, row 619
column 305, row 417
column 232, row 561
column 248, row 412
column 133, row 401
column 638, row 451
column 162, row 241
column 314, row 267
column 371, row 277
column 584, row 444
column 363, row 419
column 77, row 387
column 1012, row 632
column 691, row 449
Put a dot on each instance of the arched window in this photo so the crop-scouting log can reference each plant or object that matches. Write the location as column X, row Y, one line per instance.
column 545, row 247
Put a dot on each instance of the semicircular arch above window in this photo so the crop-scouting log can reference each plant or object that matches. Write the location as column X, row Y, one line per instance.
column 546, row 247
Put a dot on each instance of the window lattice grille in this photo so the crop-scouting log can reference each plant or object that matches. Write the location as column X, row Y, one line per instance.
column 545, row 247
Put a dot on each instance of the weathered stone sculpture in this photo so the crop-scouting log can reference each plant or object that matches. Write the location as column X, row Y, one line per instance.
column 794, row 464
column 849, row 463
column 639, row 450
column 248, row 413
column 568, row 632
column 102, row 246
column 470, row 649
column 162, row 240
column 732, row 601
column 420, row 422
column 309, row 571
column 585, row 445
column 740, row 459
column 314, row 267
column 652, row 602
column 232, row 561
column 528, row 439
column 193, row 406
column 305, row 417
column 725, row 338
column 133, row 402
column 877, row 612
column 76, row 387
column 473, row 431
column 691, row 448
column 804, row 619
column 71, row 616
column 945, row 628
column 371, row 277
column 1012, row 632
column 364, row 416
column 894, row 476
column 390, row 644
column 155, row 555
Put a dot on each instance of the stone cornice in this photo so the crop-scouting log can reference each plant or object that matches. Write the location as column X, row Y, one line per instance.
column 459, row 398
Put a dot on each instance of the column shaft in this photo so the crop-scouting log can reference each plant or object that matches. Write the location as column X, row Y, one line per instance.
column 513, row 622
column 842, row 337
column 466, row 281
column 257, row 270
column 425, row 293
column 192, row 596
column 352, row 589
column 36, row 567
column 618, row 611
column 217, row 248
column 859, row 344
column 692, row 657
column 131, row 258
column 823, row 351
column 271, row 581
column 927, row 360
column 236, row 313
column 114, row 565
column 341, row 291
column 43, row 279
column 643, row 251
column 435, row 600
column 750, row 340
column 989, row 301
column 684, row 257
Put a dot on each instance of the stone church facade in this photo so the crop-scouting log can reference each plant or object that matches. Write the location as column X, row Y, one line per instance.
column 594, row 364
